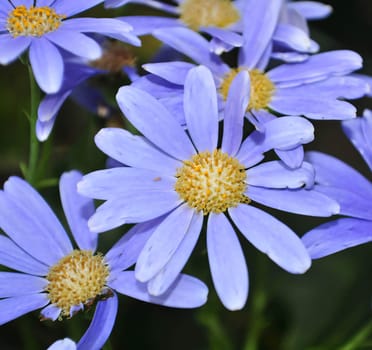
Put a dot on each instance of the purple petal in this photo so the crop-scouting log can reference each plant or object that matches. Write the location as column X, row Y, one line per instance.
column 317, row 67
column 200, row 105
column 161, row 246
column 137, row 207
column 50, row 105
column 258, row 31
column 292, row 157
column 126, row 251
column 93, row 25
column 236, row 105
column 293, row 37
column 143, row 25
column 276, row 174
column 134, row 151
column 63, row 344
column 101, row 326
column 12, row 48
column 311, row 9
column 12, row 256
column 154, row 121
column 16, row 284
column 48, row 76
column 12, row 308
column 271, row 237
column 337, row 235
column 174, row 72
column 312, row 107
column 152, row 3
column 167, row 275
column 298, row 201
column 192, row 45
column 43, row 129
column 226, row 262
column 186, row 292
column 70, row 8
column 225, row 35
column 78, row 210
column 50, row 312
column 77, row 43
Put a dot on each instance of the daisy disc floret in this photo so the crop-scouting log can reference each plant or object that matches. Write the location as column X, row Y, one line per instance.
column 184, row 178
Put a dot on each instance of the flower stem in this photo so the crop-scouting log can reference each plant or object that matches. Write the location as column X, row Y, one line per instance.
column 357, row 341
column 30, row 173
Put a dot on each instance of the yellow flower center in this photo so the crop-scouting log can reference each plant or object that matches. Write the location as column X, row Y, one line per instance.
column 35, row 21
column 212, row 182
column 78, row 278
column 208, row 13
column 262, row 88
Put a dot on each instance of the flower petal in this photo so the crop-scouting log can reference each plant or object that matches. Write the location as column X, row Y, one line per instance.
column 226, row 261
column 50, row 312
column 163, row 243
column 78, row 210
column 200, row 105
column 12, row 48
column 137, row 207
column 276, row 174
column 167, row 275
column 77, row 43
column 311, row 9
column 12, row 256
column 235, row 108
column 186, row 292
column 70, row 8
column 337, row 235
column 299, row 201
column 103, row 184
column 63, row 344
column 12, row 308
column 101, row 326
column 154, row 121
column 48, row 76
column 14, row 284
column 292, row 157
column 174, row 72
column 271, row 237
column 134, row 151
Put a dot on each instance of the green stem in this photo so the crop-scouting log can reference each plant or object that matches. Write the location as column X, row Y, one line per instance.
column 357, row 341
column 30, row 174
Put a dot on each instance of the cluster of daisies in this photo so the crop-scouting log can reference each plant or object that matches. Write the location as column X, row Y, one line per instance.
column 234, row 80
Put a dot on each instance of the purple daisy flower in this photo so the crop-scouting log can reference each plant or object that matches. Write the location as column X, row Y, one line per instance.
column 349, row 188
column 314, row 88
column 44, row 27
column 190, row 176
column 61, row 280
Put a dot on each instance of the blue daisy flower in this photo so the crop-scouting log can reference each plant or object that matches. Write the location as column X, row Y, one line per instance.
column 61, row 280
column 349, row 188
column 188, row 176
column 44, row 27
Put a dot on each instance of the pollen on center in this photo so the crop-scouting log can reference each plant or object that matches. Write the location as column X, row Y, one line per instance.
column 35, row 21
column 78, row 278
column 261, row 91
column 208, row 13
column 212, row 182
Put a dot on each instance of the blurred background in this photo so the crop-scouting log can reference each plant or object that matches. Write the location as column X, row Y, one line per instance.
column 320, row 310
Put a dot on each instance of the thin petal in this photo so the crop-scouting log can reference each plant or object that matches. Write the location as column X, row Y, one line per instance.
column 101, row 326
column 78, row 210
column 126, row 251
column 167, row 275
column 226, row 262
column 276, row 174
column 93, row 25
column 143, row 25
column 70, row 8
column 311, row 9
column 258, row 31
column 271, row 237
column 137, row 207
column 12, row 308
column 337, row 235
column 200, row 105
column 12, row 48
column 161, row 246
column 154, row 121
column 50, row 105
column 235, row 108
column 50, row 312
column 48, row 76
column 63, row 344
column 225, row 35
column 186, row 292
column 16, row 284
column 77, row 43
column 292, row 157
column 134, row 151
column 299, row 201
column 12, row 256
